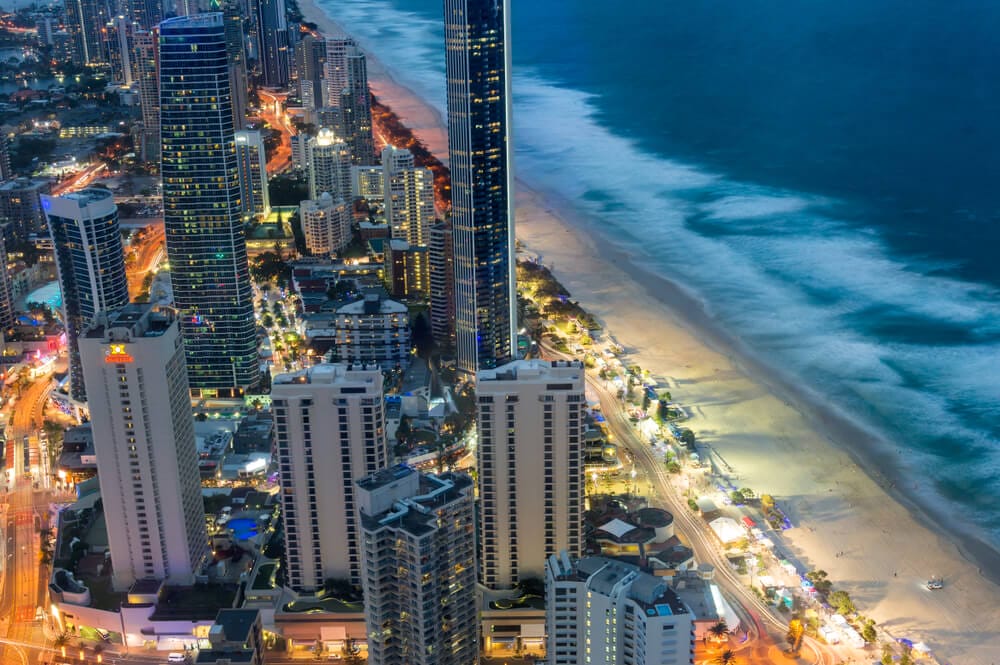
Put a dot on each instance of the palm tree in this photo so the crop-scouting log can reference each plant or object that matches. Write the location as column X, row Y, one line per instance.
column 719, row 630
column 727, row 657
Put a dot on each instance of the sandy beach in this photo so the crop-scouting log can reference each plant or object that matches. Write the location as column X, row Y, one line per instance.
column 777, row 437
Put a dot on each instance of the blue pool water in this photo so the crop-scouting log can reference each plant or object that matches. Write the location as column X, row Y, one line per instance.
column 243, row 528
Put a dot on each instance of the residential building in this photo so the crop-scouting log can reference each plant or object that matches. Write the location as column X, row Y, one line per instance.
column 299, row 159
column 441, row 278
column 147, row 65
column 310, row 59
column 21, row 206
column 600, row 610
column 329, row 159
column 45, row 25
column 477, row 62
column 232, row 16
column 530, row 461
column 330, row 425
column 252, row 164
column 91, row 265
column 326, row 225
column 356, row 110
column 147, row 13
column 406, row 269
column 84, row 21
column 335, row 74
column 419, row 567
column 119, row 49
column 5, row 170
column 409, row 196
column 206, row 243
column 140, row 412
column 272, row 42
column 366, row 183
column 374, row 331
column 6, row 294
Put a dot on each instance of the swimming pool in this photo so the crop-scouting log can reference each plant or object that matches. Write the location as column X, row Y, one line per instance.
column 243, row 528
column 50, row 295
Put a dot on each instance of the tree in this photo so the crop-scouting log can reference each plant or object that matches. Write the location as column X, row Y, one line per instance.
column 719, row 630
column 820, row 581
column 727, row 657
column 841, row 601
column 645, row 400
column 906, row 658
column 748, row 494
column 868, row 632
column 794, row 636
column 665, row 396
column 886, row 654
column 687, row 437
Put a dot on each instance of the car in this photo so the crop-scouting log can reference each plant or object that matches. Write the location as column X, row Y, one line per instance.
column 176, row 658
column 935, row 583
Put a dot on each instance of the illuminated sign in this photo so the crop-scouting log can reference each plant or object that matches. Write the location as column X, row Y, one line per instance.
column 116, row 353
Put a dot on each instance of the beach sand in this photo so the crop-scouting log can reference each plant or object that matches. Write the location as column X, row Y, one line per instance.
column 778, row 438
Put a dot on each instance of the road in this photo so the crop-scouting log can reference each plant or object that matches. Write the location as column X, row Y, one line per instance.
column 757, row 617
column 273, row 113
column 24, row 577
column 78, row 180
column 148, row 254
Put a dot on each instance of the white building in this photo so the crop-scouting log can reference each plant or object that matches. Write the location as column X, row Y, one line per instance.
column 140, row 410
column 599, row 610
column 326, row 224
column 530, row 461
column 330, row 426
column 373, row 330
column 366, row 182
column 419, row 567
column 409, row 196
column 252, row 164
column 335, row 69
column 329, row 164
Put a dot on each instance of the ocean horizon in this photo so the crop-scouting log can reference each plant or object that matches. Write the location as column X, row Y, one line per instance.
column 822, row 181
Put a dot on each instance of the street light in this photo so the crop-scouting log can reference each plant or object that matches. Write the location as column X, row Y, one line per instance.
column 635, row 487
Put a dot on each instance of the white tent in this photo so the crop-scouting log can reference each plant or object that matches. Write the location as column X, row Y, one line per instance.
column 727, row 529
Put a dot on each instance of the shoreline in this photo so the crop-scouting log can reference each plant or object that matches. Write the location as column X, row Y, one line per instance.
column 842, row 486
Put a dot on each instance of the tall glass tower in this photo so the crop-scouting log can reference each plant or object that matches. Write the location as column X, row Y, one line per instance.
column 482, row 216
column 91, row 264
column 206, row 244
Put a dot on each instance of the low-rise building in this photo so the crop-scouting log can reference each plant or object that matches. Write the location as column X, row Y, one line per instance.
column 236, row 637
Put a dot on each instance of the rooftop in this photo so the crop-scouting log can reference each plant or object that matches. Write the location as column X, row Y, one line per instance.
column 330, row 373
column 237, row 623
column 533, row 369
column 415, row 514
column 373, row 304
column 141, row 319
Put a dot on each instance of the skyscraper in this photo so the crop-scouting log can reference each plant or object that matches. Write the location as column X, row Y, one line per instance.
column 21, row 206
column 272, row 42
column 441, row 277
column 310, row 58
column 482, row 216
column 206, row 244
column 329, row 159
column 335, row 69
column 147, row 13
column 91, row 264
column 147, row 462
column 5, row 170
column 232, row 15
column 147, row 66
column 419, row 562
column 356, row 109
column 530, row 461
column 119, row 46
column 6, row 297
column 409, row 196
column 84, row 21
column 330, row 425
column 253, row 173
column 600, row 610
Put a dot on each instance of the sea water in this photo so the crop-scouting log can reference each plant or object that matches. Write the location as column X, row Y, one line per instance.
column 825, row 176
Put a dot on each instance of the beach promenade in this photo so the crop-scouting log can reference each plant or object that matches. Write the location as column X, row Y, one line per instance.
column 837, row 482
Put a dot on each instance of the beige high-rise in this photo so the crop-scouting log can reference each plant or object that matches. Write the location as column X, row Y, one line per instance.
column 331, row 430
column 530, row 462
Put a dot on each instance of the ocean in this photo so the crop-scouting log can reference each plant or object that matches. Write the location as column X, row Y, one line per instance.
column 824, row 177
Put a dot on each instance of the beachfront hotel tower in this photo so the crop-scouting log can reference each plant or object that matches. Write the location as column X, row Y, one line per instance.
column 147, row 460
column 91, row 265
column 482, row 215
column 419, row 559
column 330, row 428
column 202, row 207
column 530, row 462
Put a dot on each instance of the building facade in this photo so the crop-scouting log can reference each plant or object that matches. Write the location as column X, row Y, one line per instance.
column 272, row 42
column 406, row 269
column 530, row 461
column 6, row 293
column 477, row 58
column 419, row 567
column 140, row 411
column 147, row 65
column 21, row 206
column 329, row 159
column 91, row 265
column 119, row 48
column 330, row 426
column 409, row 196
column 356, row 110
column 441, row 278
column 84, row 21
column 252, row 164
column 326, row 225
column 206, row 243
column 373, row 331
column 600, row 610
